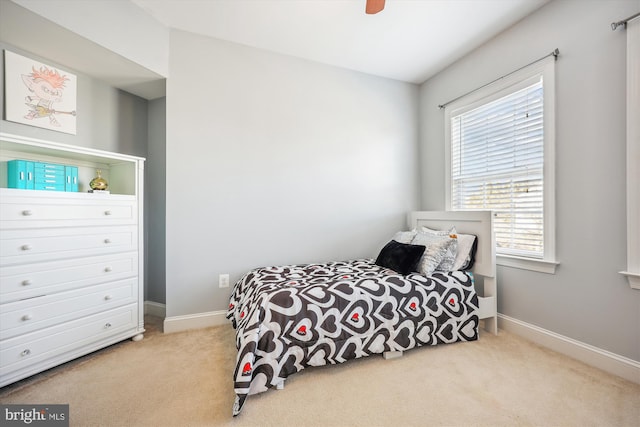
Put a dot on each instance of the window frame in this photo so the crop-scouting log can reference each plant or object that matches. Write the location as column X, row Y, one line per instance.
column 633, row 151
column 509, row 84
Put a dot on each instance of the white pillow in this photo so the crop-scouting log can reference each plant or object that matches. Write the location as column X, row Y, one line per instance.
column 435, row 249
column 465, row 251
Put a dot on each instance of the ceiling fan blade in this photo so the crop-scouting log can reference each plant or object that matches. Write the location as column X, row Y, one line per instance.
column 374, row 6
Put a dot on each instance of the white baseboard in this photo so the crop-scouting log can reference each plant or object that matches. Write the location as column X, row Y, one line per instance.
column 195, row 321
column 602, row 359
column 155, row 309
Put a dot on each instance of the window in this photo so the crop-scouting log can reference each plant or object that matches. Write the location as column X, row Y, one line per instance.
column 500, row 157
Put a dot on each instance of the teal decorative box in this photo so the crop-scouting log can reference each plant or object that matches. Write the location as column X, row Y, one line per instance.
column 28, row 175
column 20, row 174
column 71, row 178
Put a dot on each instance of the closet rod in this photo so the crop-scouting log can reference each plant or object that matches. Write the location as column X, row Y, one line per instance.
column 555, row 54
column 615, row 25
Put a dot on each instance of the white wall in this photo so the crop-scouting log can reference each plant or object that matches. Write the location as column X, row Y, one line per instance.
column 155, row 199
column 586, row 299
column 272, row 160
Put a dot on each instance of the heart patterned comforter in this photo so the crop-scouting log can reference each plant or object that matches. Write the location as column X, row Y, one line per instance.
column 291, row 317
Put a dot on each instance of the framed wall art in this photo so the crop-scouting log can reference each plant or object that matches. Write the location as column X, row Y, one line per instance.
column 38, row 94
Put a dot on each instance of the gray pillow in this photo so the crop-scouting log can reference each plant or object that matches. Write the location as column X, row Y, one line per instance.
column 450, row 256
column 436, row 248
column 465, row 249
column 404, row 236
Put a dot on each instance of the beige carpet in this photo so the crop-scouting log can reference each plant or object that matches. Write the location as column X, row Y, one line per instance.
column 184, row 379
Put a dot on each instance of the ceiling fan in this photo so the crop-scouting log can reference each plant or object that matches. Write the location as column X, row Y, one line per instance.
column 374, row 6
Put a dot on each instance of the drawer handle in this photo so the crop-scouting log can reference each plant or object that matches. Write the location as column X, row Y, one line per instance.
column 25, row 352
column 107, row 297
column 107, row 213
column 27, row 212
column 25, row 247
column 26, row 317
column 108, row 269
column 107, row 326
column 26, row 282
column 107, row 241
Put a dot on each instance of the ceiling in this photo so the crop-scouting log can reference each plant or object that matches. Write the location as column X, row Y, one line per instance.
column 410, row 40
column 61, row 47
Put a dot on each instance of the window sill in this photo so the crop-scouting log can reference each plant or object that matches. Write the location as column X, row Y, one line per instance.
column 541, row 266
column 633, row 278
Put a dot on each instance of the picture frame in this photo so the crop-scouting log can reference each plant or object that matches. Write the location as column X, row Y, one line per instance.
column 38, row 94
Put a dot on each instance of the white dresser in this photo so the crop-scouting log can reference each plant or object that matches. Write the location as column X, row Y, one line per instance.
column 71, row 263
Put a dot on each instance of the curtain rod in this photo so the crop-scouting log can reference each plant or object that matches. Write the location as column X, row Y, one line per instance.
column 555, row 54
column 623, row 23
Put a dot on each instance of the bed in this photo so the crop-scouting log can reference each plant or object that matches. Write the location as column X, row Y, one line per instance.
column 288, row 318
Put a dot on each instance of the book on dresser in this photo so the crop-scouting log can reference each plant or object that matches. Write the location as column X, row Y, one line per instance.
column 71, row 262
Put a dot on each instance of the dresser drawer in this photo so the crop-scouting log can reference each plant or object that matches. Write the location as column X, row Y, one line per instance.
column 36, row 347
column 50, row 185
column 67, row 209
column 28, row 281
column 27, row 246
column 48, row 168
column 29, row 315
column 51, row 176
column 42, row 174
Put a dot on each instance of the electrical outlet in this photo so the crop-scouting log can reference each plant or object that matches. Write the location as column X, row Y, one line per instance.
column 223, row 281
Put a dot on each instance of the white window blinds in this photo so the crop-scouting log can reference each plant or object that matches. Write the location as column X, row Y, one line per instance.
column 497, row 159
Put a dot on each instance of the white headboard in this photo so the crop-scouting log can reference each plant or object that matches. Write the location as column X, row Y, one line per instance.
column 479, row 223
